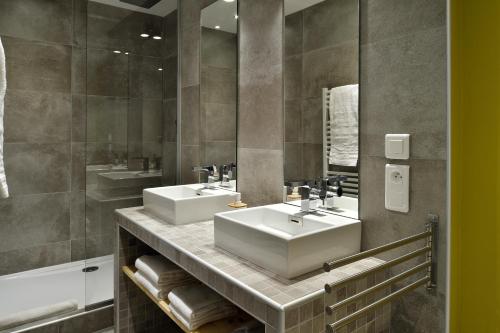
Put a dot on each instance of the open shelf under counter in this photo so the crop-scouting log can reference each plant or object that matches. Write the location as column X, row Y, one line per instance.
column 272, row 300
column 226, row 325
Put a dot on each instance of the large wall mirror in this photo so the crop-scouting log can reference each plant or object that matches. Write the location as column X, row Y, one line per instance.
column 321, row 100
column 218, row 88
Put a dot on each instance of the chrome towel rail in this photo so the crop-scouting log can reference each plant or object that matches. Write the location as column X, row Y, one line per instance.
column 429, row 266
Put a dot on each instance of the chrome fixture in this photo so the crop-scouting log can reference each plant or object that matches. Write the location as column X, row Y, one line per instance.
column 429, row 265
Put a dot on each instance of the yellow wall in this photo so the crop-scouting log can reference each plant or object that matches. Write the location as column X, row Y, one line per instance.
column 475, row 84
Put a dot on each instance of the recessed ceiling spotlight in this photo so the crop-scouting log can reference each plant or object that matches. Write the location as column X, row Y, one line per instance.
column 117, row 51
column 229, row 0
column 160, row 69
column 235, row 16
column 144, row 35
column 217, row 27
column 127, row 53
column 157, row 37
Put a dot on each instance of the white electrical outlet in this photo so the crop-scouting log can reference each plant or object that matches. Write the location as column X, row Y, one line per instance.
column 397, row 187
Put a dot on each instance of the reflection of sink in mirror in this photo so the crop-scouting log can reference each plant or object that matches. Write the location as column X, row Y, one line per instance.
column 129, row 179
column 185, row 204
column 267, row 237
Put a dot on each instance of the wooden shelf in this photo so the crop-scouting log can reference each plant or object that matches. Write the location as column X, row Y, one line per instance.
column 226, row 325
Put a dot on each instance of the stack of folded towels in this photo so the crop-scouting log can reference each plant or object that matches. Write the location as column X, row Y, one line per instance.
column 159, row 275
column 195, row 305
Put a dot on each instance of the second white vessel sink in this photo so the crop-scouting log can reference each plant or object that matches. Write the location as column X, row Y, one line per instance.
column 185, row 204
column 274, row 238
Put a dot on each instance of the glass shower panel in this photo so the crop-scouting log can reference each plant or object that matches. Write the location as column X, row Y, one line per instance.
column 131, row 80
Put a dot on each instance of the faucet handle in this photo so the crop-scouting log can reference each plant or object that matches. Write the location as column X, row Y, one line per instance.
column 305, row 192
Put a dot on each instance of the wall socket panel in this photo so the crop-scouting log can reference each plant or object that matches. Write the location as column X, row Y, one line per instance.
column 397, row 187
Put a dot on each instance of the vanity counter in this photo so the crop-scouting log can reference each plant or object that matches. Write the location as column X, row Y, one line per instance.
column 273, row 300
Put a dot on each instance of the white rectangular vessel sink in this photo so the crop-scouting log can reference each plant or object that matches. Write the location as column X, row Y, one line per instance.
column 266, row 237
column 185, row 204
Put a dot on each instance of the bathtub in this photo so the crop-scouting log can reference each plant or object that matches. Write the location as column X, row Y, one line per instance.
column 50, row 285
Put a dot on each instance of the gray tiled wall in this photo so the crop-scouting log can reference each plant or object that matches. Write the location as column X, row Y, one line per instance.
column 43, row 138
column 189, row 45
column 218, row 96
column 260, row 110
column 403, row 90
column 321, row 51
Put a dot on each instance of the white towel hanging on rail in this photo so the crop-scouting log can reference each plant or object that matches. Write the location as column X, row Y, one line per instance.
column 4, row 190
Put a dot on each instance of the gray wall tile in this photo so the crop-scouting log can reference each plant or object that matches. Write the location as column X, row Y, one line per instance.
column 261, row 101
column 330, row 23
column 403, row 90
column 102, row 65
column 404, row 80
column 190, row 122
column 37, row 117
column 37, row 66
column 34, row 257
column 329, row 67
column 260, row 177
column 45, row 20
column 144, row 77
column 21, row 216
column 293, row 34
column 218, row 48
column 37, row 168
column 220, row 122
column 386, row 19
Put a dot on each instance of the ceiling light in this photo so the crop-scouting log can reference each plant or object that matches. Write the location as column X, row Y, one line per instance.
column 126, row 53
column 117, row 51
column 217, row 27
column 229, row 0
column 144, row 35
column 235, row 16
column 157, row 37
column 160, row 69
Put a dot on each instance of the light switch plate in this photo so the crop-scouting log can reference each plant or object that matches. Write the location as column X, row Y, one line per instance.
column 397, row 146
column 397, row 187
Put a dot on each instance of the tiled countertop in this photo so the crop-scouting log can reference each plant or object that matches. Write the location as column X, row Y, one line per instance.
column 192, row 247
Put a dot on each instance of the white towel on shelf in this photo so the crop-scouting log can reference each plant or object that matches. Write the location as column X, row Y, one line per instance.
column 153, row 290
column 193, row 324
column 159, row 270
column 344, row 125
column 39, row 313
column 197, row 305
column 4, row 190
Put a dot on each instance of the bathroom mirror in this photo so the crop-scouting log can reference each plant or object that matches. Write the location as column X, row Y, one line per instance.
column 218, row 88
column 321, row 100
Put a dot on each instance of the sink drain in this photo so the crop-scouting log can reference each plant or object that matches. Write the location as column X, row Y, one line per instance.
column 90, row 269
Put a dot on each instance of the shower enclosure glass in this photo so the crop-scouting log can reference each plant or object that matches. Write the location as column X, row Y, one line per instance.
column 91, row 96
column 130, row 97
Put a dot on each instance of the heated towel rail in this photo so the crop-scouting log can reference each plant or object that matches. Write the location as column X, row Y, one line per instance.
column 429, row 250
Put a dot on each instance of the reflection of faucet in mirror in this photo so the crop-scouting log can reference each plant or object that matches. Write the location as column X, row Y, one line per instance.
column 145, row 163
column 209, row 180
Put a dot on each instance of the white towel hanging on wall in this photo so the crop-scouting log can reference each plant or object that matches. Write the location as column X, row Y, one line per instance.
column 4, row 190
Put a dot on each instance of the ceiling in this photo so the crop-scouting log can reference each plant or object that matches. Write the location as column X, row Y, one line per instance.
column 219, row 13
column 162, row 8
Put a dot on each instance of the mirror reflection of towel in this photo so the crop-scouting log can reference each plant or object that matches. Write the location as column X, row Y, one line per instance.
column 344, row 125
column 4, row 190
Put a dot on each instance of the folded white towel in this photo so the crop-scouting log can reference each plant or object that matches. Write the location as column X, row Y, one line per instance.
column 213, row 315
column 39, row 313
column 344, row 126
column 198, row 304
column 159, row 270
column 4, row 190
